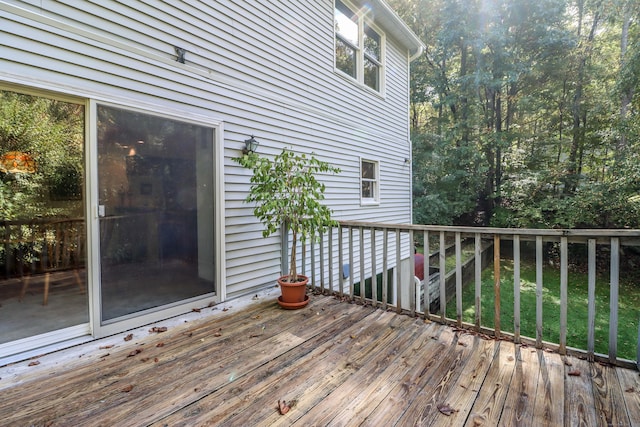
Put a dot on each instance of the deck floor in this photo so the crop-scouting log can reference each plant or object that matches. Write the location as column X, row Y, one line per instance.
column 336, row 363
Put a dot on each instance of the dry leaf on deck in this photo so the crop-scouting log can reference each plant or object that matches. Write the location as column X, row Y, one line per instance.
column 134, row 352
column 127, row 389
column 574, row 373
column 446, row 409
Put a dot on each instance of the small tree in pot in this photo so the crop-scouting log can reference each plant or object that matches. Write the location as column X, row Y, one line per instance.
column 285, row 191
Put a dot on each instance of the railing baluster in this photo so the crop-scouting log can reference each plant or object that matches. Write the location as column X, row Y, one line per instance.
column 442, row 256
column 312, row 249
column 398, row 289
column 352, row 269
column 458, row 280
column 321, row 263
column 363, row 277
column 591, row 309
column 478, row 280
column 341, row 262
column 539, row 262
column 374, row 273
column 385, row 267
column 516, row 288
column 564, row 261
column 412, row 275
column 426, row 298
column 330, row 260
column 496, row 285
column 613, row 299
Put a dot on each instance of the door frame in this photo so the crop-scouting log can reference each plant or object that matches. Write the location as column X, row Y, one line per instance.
column 93, row 236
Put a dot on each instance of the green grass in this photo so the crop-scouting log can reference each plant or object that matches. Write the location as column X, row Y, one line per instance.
column 577, row 318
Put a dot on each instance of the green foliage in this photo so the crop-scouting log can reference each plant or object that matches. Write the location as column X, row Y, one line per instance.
column 534, row 105
column 285, row 190
column 52, row 133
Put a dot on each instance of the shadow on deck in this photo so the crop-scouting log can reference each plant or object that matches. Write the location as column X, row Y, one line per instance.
column 336, row 363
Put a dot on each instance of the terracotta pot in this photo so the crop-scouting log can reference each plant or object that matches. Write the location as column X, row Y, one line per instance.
column 294, row 295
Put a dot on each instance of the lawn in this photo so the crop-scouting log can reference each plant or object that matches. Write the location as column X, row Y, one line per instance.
column 577, row 319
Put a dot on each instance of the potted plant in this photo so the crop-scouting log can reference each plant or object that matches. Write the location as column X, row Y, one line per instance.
column 286, row 192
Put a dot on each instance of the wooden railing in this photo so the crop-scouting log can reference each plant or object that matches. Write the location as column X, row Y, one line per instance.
column 41, row 245
column 350, row 254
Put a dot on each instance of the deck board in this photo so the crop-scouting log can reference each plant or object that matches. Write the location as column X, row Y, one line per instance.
column 342, row 364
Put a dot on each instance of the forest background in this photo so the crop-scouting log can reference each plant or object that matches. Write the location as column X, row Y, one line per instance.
column 525, row 113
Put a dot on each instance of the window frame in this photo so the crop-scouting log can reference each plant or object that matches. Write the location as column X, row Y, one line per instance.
column 375, row 199
column 361, row 55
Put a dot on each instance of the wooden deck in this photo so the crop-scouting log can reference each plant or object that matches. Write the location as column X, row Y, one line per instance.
column 336, row 363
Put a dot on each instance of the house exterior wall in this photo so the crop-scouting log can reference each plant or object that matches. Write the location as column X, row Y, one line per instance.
column 264, row 68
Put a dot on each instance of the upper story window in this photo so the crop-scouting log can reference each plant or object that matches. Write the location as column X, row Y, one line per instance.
column 369, row 181
column 358, row 47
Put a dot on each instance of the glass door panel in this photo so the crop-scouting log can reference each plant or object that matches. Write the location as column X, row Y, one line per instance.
column 43, row 276
column 156, row 195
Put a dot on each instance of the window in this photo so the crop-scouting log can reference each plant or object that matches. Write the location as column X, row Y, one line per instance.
column 358, row 47
column 368, row 181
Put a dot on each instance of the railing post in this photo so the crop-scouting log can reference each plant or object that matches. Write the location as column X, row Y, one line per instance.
column 496, row 284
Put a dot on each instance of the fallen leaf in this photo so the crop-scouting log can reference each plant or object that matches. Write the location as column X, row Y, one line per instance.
column 283, row 407
column 128, row 337
column 156, row 360
column 510, row 358
column 104, row 347
column 630, row 390
column 211, row 304
column 225, row 309
column 105, row 355
column 196, row 310
column 134, row 352
column 574, row 373
column 158, row 329
column 34, row 363
column 145, row 359
column 160, row 344
column 217, row 334
column 127, row 389
column 446, row 409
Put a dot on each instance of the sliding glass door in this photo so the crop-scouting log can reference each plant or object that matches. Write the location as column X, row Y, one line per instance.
column 155, row 211
column 43, row 268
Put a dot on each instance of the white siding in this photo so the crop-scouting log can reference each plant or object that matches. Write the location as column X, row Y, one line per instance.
column 263, row 67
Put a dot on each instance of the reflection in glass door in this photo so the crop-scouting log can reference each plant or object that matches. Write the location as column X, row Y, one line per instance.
column 156, row 195
column 43, row 279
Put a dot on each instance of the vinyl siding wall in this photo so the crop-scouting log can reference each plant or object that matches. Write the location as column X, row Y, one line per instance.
column 262, row 67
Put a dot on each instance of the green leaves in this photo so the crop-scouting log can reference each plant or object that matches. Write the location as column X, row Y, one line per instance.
column 285, row 190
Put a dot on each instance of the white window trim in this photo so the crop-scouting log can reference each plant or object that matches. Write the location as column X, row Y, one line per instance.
column 360, row 55
column 375, row 200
